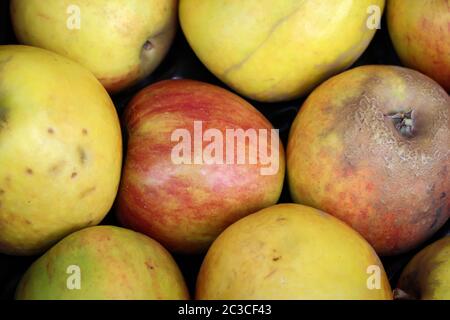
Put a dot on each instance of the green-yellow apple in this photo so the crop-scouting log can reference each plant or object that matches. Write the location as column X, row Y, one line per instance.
column 291, row 251
column 427, row 275
column 60, row 149
column 120, row 41
column 104, row 263
column 198, row 159
column 371, row 146
column 420, row 31
column 278, row 50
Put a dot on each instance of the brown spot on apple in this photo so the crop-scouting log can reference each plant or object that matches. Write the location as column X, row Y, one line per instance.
column 270, row 273
column 57, row 167
column 4, row 112
column 275, row 259
column 86, row 192
column 43, row 16
column 29, row 171
column 49, row 269
column 82, row 155
column 149, row 265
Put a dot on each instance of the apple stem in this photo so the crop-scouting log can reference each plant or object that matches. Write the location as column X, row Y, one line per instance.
column 399, row 294
column 404, row 122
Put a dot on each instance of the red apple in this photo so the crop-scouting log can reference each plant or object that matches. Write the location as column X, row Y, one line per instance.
column 182, row 184
column 371, row 147
column 420, row 31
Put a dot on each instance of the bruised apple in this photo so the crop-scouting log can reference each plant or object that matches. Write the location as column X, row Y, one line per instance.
column 371, row 147
column 198, row 159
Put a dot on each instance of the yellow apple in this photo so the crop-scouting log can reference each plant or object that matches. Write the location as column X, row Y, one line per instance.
column 291, row 251
column 120, row 41
column 278, row 50
column 427, row 275
column 60, row 149
column 104, row 263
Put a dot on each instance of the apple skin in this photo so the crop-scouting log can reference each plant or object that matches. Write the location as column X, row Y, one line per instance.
column 185, row 207
column 277, row 50
column 420, row 32
column 427, row 275
column 114, row 263
column 346, row 157
column 110, row 40
column 60, row 149
column 290, row 251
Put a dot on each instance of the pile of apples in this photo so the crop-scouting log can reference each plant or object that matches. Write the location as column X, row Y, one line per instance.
column 367, row 159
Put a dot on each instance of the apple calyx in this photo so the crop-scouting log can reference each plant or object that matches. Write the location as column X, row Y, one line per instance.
column 404, row 122
column 147, row 57
column 148, row 45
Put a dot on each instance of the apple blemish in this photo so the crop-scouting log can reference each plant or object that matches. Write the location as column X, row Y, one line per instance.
column 82, row 155
column 3, row 117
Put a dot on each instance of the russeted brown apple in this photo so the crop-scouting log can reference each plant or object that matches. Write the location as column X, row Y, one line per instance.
column 371, row 146
column 198, row 159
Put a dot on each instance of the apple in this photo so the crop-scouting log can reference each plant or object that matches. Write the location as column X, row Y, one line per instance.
column 198, row 159
column 60, row 149
column 427, row 275
column 120, row 41
column 291, row 251
column 104, row 263
column 420, row 32
column 278, row 50
column 371, row 147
